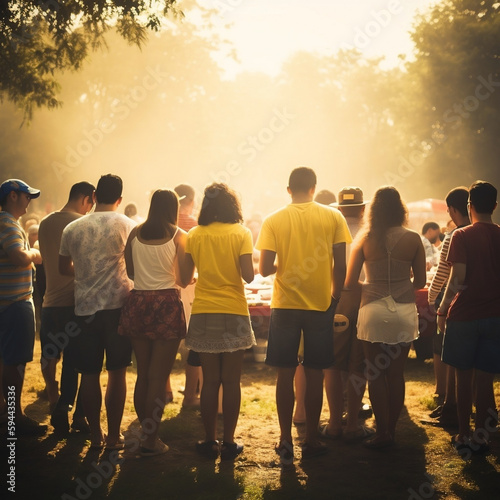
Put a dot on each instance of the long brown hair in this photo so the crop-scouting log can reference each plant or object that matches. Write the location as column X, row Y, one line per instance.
column 387, row 209
column 162, row 216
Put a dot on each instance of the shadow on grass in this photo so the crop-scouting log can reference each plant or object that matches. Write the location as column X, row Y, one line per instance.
column 354, row 472
column 482, row 480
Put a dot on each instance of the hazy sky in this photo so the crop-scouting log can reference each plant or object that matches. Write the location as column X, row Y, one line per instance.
column 266, row 32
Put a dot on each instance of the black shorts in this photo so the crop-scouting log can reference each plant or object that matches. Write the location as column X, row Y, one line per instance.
column 285, row 328
column 99, row 336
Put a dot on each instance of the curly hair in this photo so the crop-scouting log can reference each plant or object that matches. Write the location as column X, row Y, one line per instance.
column 162, row 215
column 220, row 204
column 387, row 209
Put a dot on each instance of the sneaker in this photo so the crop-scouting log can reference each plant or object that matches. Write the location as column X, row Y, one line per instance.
column 209, row 449
column 59, row 420
column 365, row 412
column 229, row 451
column 285, row 451
column 310, row 451
column 26, row 426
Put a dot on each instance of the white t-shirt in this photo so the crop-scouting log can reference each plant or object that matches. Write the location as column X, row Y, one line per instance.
column 96, row 243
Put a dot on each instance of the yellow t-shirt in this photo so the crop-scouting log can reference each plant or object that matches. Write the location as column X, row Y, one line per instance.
column 215, row 250
column 303, row 235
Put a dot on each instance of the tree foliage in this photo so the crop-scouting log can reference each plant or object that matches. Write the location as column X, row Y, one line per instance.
column 455, row 82
column 40, row 39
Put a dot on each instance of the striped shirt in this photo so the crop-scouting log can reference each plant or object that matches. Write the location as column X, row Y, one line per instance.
column 15, row 281
column 440, row 279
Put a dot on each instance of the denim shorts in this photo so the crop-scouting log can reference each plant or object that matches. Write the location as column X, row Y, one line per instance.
column 285, row 329
column 17, row 333
column 99, row 335
column 473, row 344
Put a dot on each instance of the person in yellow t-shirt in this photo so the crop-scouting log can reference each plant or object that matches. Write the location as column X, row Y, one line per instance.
column 219, row 328
column 304, row 243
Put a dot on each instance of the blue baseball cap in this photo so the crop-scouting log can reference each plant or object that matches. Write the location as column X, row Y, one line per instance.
column 17, row 185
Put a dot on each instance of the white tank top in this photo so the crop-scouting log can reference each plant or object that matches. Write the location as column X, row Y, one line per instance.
column 154, row 265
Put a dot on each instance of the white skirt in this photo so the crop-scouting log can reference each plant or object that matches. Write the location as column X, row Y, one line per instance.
column 387, row 321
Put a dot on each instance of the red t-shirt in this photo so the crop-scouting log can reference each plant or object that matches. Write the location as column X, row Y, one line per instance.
column 478, row 247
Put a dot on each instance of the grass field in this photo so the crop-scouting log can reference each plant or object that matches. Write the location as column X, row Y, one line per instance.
column 422, row 464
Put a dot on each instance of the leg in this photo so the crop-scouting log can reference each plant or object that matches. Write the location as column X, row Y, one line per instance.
column 231, row 391
column 163, row 354
column 334, row 389
column 439, row 375
column 142, row 350
column 464, row 401
column 485, row 407
column 116, row 392
column 450, row 386
column 209, row 401
column 356, row 385
column 396, row 383
column 299, row 416
column 90, row 389
column 378, row 389
column 49, row 376
column 314, row 403
column 285, row 401
column 13, row 376
column 193, row 377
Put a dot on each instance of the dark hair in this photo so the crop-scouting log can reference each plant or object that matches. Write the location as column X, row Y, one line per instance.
column 220, row 204
column 483, row 196
column 325, row 197
column 162, row 215
column 430, row 225
column 301, row 180
column 387, row 209
column 109, row 189
column 458, row 198
column 81, row 189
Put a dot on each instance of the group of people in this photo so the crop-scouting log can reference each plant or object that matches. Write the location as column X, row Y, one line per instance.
column 114, row 286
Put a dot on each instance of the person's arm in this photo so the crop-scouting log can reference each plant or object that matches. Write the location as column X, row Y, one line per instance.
column 442, row 273
column 418, row 265
column 186, row 270
column 246, row 266
column 180, row 256
column 66, row 267
column 455, row 284
column 129, row 262
column 339, row 270
column 356, row 261
column 23, row 258
column 267, row 265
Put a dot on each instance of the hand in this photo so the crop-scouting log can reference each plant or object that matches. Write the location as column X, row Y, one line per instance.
column 441, row 323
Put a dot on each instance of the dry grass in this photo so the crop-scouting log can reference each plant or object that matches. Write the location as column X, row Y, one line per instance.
column 422, row 465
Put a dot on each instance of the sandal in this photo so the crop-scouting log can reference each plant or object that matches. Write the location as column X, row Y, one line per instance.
column 209, row 449
column 361, row 433
column 323, row 430
column 285, row 451
column 229, row 451
column 119, row 444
